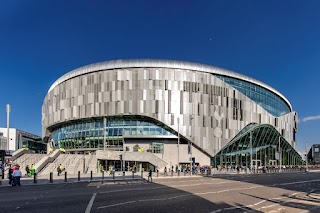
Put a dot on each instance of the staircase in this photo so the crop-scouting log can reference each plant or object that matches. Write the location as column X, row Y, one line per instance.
column 28, row 159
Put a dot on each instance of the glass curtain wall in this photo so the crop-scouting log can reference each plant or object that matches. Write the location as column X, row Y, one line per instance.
column 267, row 99
column 89, row 133
column 265, row 145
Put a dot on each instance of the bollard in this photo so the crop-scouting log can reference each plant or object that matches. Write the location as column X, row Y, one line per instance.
column 171, row 173
column 35, row 178
column 123, row 175
column 178, row 173
column 78, row 175
column 157, row 173
column 65, row 177
column 51, row 179
column 141, row 174
column 91, row 175
column 132, row 174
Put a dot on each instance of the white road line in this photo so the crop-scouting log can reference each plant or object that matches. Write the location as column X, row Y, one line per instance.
column 216, row 211
column 307, row 181
column 227, row 190
column 88, row 209
column 178, row 196
column 98, row 187
column 117, row 204
column 199, row 184
column 155, row 199
column 137, row 189
column 262, row 201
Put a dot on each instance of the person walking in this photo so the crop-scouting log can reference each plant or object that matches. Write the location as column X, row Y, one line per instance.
column 10, row 175
column 32, row 170
column 59, row 169
column 27, row 170
column 16, row 176
column 150, row 176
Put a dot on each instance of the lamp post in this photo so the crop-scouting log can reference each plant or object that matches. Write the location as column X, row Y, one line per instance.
column 251, row 137
column 251, row 151
column 104, row 133
column 306, row 158
column 190, row 149
column 280, row 153
column 178, row 143
column 8, row 124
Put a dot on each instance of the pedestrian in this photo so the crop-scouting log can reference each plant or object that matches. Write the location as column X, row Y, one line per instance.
column 60, row 169
column 150, row 176
column 16, row 176
column 27, row 170
column 10, row 175
column 32, row 170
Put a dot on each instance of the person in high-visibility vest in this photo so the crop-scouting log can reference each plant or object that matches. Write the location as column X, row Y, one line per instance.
column 32, row 170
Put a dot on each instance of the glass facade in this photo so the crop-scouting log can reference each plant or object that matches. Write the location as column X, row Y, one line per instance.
column 265, row 98
column 34, row 145
column 265, row 144
column 89, row 133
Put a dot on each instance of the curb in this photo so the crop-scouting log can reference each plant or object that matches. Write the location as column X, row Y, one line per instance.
column 81, row 181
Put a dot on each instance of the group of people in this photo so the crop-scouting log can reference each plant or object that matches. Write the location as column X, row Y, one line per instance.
column 30, row 170
column 14, row 175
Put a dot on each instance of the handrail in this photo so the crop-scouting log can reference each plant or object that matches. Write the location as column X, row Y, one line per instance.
column 77, row 165
column 88, row 164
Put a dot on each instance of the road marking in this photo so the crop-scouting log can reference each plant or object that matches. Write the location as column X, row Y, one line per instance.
column 227, row 190
column 117, row 204
column 199, row 184
column 219, row 210
column 137, row 189
column 166, row 198
column 88, row 209
column 307, row 181
column 98, row 187
column 18, row 207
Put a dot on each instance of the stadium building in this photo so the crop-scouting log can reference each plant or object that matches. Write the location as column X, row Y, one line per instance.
column 164, row 113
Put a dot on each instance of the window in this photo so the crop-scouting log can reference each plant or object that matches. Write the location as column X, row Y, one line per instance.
column 157, row 147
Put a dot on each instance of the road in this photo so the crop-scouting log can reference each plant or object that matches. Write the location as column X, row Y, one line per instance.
column 292, row 192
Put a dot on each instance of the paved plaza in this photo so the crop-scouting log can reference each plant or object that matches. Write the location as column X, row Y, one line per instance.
column 273, row 192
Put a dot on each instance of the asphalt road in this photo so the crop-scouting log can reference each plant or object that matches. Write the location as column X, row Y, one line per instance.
column 292, row 192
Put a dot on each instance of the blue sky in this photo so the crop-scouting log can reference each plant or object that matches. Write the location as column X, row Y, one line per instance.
column 277, row 42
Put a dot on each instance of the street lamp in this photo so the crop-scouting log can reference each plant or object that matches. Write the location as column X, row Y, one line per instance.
column 280, row 153
column 250, row 137
column 251, row 150
column 8, row 124
column 178, row 143
column 190, row 149
column 306, row 158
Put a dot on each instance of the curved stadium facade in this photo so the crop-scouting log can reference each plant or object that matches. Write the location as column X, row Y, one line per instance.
column 173, row 110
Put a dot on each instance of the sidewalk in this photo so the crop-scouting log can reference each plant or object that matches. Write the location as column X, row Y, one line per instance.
column 73, row 178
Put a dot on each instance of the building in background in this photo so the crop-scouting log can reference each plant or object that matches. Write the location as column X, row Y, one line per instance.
column 174, row 110
column 21, row 139
column 314, row 154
